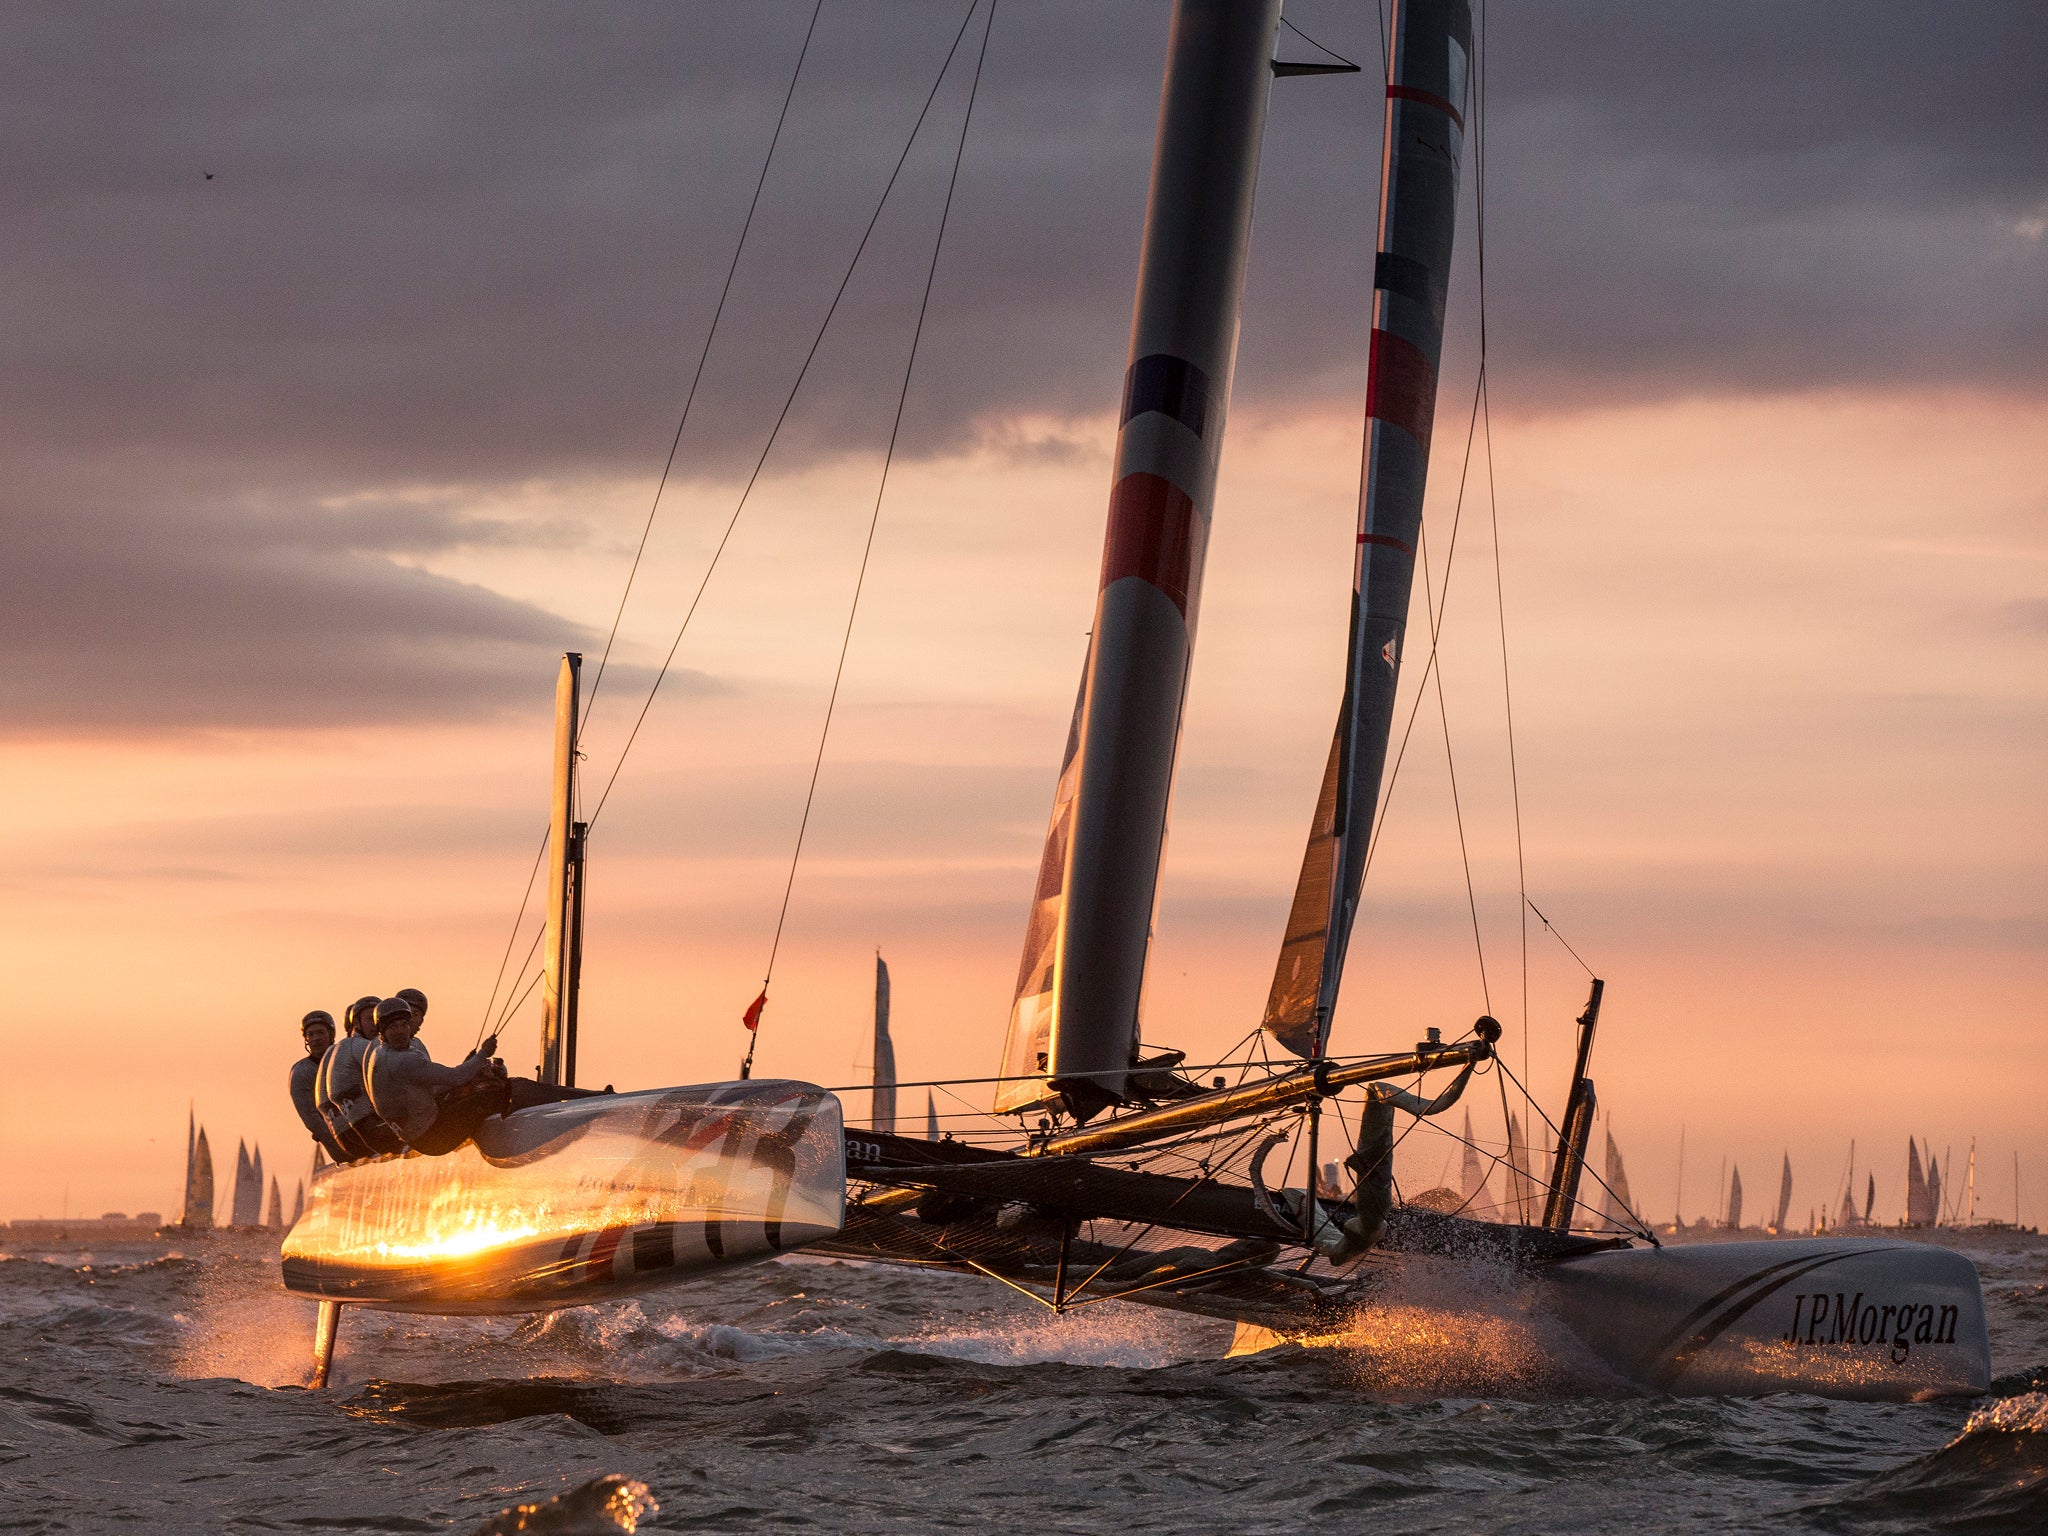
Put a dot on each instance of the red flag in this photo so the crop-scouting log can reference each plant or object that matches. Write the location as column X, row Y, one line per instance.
column 752, row 1017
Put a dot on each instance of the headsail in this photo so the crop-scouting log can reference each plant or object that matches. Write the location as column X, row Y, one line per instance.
column 1425, row 125
column 1916, row 1186
column 1735, row 1200
column 1091, row 922
column 884, row 1112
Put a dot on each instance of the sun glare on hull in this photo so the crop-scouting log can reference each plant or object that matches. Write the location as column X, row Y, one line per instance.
column 578, row 1201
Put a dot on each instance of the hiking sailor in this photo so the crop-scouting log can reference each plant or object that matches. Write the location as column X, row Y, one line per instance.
column 317, row 1028
column 434, row 1108
column 344, row 1099
column 418, row 999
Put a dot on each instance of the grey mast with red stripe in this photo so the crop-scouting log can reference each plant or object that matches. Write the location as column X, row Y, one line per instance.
column 1425, row 129
column 1074, row 1025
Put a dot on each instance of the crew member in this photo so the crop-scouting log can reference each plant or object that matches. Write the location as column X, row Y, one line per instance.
column 434, row 1108
column 344, row 1099
column 418, row 999
column 317, row 1029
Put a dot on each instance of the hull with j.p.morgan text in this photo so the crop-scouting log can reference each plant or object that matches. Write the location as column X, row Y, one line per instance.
column 581, row 1201
column 1838, row 1317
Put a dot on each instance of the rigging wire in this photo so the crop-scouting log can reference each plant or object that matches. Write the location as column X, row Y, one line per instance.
column 512, row 938
column 661, row 485
column 1479, row 126
column 703, row 353
column 1552, row 927
column 1319, row 47
column 874, row 518
column 1457, row 808
column 782, row 416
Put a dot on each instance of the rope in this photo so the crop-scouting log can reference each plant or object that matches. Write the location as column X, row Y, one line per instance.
column 697, row 376
column 874, row 522
column 782, row 416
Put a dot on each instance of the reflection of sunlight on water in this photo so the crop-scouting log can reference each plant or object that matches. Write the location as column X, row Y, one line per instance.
column 2026, row 1414
column 1110, row 1334
column 1445, row 1330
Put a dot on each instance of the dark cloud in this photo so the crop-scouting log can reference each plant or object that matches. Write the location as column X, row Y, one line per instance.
column 201, row 618
column 471, row 245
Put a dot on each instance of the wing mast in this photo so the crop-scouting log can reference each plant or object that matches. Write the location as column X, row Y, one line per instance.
column 1074, row 1025
column 1425, row 127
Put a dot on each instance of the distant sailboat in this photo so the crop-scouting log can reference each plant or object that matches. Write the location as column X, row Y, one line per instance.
column 1472, row 1174
column 1784, row 1195
column 198, row 1213
column 1916, row 1187
column 1869, row 1197
column 274, row 1217
column 299, row 1203
column 246, row 1209
column 1848, row 1216
column 931, row 1117
column 1619, row 1207
column 1933, row 1188
column 1735, row 1200
column 1521, row 1182
column 884, row 1109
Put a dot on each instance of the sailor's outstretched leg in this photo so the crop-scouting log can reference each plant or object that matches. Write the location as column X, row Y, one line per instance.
column 326, row 1328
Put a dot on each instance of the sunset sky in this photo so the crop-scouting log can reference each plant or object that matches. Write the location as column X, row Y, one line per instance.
column 314, row 468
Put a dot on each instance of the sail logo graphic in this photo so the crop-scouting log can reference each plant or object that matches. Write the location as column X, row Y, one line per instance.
column 1839, row 1318
column 1390, row 656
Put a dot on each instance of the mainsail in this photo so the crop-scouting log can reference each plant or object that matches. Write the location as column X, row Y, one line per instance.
column 884, row 1112
column 931, row 1117
column 1735, row 1200
column 1425, row 125
column 1080, row 983
column 274, row 1217
column 1933, row 1188
column 1784, row 1195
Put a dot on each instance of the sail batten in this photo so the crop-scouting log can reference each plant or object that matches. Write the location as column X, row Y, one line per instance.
column 1425, row 125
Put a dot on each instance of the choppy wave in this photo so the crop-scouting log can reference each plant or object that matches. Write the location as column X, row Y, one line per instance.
column 596, row 1508
column 161, row 1394
column 1991, row 1478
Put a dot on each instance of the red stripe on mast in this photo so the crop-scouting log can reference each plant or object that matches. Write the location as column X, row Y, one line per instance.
column 1401, row 386
column 1153, row 533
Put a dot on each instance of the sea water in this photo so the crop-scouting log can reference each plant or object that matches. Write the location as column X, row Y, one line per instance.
column 155, row 1389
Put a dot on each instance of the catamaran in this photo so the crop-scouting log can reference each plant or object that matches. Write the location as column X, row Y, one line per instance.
column 1126, row 1175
